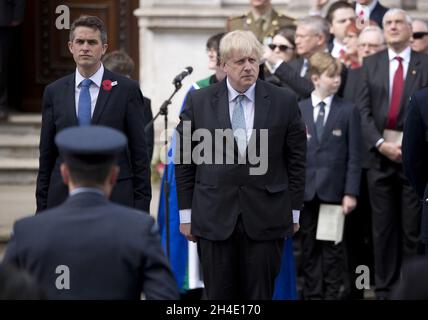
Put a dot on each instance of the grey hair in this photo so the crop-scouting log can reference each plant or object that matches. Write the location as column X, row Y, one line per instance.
column 376, row 29
column 397, row 10
column 422, row 20
column 240, row 40
column 318, row 25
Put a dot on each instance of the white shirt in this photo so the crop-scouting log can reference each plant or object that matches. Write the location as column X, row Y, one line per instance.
column 247, row 105
column 393, row 65
column 315, row 103
column 304, row 67
column 85, row 190
column 366, row 9
column 336, row 49
column 94, row 89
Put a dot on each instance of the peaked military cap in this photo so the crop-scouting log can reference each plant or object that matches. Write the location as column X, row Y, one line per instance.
column 90, row 144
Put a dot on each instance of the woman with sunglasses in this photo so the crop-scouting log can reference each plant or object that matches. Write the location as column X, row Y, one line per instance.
column 282, row 47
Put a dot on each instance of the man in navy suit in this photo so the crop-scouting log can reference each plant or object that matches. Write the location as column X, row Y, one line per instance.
column 332, row 173
column 89, row 247
column 364, row 9
column 415, row 153
column 370, row 10
column 388, row 79
column 240, row 217
column 93, row 95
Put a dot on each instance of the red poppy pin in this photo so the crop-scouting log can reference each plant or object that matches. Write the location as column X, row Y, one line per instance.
column 108, row 84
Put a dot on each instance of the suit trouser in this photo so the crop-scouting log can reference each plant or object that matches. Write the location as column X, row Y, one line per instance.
column 358, row 242
column 239, row 267
column 322, row 261
column 396, row 213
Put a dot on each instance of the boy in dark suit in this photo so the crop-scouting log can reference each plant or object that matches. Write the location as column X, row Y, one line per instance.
column 332, row 173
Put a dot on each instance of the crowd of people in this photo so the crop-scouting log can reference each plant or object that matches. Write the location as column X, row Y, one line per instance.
column 333, row 91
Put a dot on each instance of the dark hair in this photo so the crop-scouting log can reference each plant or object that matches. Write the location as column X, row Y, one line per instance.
column 289, row 34
column 120, row 62
column 336, row 6
column 89, row 170
column 213, row 42
column 92, row 22
column 17, row 284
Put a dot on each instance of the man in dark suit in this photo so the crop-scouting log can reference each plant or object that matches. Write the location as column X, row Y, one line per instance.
column 238, row 216
column 93, row 95
column 11, row 16
column 389, row 78
column 332, row 173
column 358, row 228
column 370, row 10
column 89, row 247
column 365, row 10
column 415, row 153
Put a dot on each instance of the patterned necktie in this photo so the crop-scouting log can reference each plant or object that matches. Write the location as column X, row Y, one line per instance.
column 397, row 93
column 319, row 123
column 238, row 124
column 304, row 68
column 84, row 107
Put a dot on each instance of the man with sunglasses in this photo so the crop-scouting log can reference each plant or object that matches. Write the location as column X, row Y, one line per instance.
column 419, row 40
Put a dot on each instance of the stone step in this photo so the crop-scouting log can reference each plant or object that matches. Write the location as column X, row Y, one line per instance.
column 16, row 171
column 19, row 146
column 22, row 124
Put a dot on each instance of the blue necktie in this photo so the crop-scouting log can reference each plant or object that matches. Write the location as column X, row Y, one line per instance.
column 238, row 125
column 84, row 107
column 319, row 124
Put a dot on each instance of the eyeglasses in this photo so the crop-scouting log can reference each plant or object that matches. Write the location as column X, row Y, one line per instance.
column 419, row 35
column 369, row 45
column 281, row 47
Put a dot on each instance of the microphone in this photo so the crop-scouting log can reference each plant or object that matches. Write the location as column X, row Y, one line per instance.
column 182, row 75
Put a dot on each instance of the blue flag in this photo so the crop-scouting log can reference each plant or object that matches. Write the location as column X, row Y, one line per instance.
column 285, row 283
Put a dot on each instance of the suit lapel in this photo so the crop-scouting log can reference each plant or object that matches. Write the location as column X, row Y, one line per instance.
column 410, row 82
column 308, row 116
column 261, row 111
column 383, row 73
column 103, row 97
column 70, row 100
column 331, row 120
column 220, row 103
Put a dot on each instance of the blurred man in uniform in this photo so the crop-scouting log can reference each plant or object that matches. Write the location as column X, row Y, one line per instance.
column 262, row 20
column 89, row 247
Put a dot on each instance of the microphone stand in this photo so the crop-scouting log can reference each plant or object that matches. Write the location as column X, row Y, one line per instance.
column 164, row 112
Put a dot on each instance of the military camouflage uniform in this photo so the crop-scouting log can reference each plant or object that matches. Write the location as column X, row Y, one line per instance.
column 264, row 28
